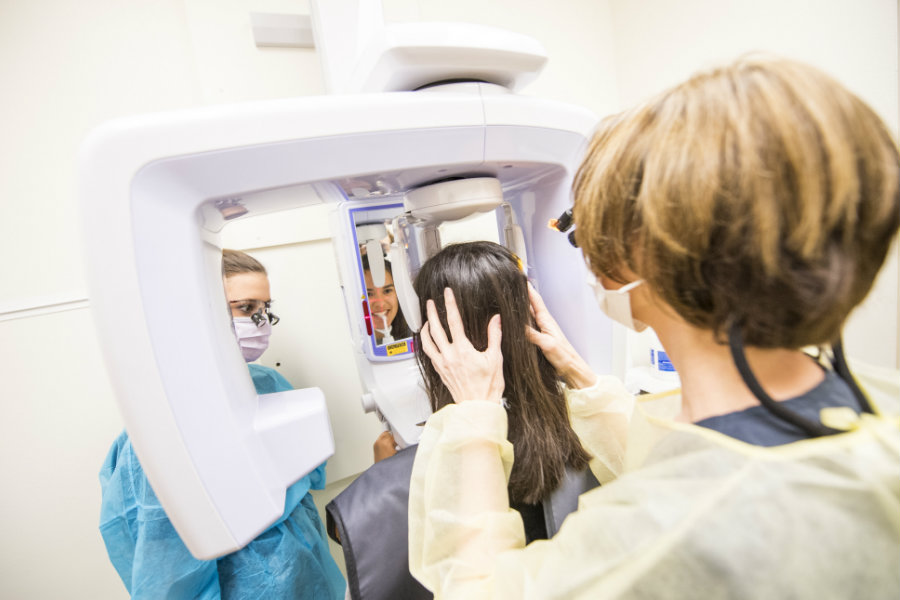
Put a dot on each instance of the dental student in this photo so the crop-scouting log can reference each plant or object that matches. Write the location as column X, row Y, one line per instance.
column 742, row 215
column 290, row 559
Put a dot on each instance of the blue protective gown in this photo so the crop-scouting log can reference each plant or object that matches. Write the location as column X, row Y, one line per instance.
column 289, row 560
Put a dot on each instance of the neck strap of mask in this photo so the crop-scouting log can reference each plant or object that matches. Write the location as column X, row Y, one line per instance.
column 812, row 428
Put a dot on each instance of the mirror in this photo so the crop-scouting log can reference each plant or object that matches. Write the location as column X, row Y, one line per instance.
column 386, row 326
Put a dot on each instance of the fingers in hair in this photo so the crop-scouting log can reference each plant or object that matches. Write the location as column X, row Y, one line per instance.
column 495, row 334
column 436, row 330
column 454, row 320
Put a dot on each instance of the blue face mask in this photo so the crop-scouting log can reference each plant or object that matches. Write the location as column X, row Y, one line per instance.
column 616, row 304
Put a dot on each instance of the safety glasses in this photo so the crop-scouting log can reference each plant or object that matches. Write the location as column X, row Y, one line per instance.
column 259, row 311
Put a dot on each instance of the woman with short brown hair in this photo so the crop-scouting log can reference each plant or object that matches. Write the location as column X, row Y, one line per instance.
column 742, row 215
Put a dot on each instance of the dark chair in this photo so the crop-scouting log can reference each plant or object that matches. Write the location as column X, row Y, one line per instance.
column 369, row 520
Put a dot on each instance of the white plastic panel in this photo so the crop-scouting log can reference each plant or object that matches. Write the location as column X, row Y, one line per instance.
column 186, row 398
column 406, row 56
column 217, row 458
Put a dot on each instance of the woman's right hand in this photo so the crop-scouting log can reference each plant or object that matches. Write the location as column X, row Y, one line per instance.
column 468, row 373
column 553, row 343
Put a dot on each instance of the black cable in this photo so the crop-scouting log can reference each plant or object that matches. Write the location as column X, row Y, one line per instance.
column 813, row 428
column 840, row 366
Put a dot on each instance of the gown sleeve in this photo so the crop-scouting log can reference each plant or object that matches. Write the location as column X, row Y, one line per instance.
column 460, row 522
column 142, row 544
column 291, row 559
column 600, row 416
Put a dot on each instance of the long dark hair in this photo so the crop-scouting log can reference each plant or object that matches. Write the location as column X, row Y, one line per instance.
column 486, row 280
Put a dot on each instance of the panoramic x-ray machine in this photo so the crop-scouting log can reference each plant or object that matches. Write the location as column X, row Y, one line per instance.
column 396, row 165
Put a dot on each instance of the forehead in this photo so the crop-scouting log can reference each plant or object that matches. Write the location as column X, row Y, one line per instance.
column 247, row 286
column 388, row 279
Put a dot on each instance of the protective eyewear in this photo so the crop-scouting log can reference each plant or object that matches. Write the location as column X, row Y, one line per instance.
column 563, row 224
column 259, row 311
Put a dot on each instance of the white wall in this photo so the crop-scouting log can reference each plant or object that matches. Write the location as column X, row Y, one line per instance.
column 68, row 65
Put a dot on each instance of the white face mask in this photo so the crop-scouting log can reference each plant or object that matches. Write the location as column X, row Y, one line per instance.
column 252, row 339
column 617, row 303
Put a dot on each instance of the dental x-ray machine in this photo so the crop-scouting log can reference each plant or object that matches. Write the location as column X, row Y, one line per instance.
column 396, row 165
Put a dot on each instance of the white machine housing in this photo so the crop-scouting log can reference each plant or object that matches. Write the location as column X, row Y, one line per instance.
column 156, row 192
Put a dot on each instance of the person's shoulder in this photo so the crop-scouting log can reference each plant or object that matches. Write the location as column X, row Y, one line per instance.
column 122, row 442
column 267, row 380
column 119, row 451
column 122, row 464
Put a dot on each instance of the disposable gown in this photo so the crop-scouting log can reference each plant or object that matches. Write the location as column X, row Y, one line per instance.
column 685, row 512
column 291, row 559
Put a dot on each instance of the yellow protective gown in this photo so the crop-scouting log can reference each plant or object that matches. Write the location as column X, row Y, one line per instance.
column 691, row 513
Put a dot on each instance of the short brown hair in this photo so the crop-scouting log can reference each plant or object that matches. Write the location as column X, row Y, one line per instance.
column 763, row 193
column 235, row 262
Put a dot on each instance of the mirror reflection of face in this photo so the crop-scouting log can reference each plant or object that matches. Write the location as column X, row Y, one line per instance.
column 383, row 304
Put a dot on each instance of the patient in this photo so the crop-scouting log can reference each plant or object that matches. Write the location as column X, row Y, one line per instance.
column 388, row 323
column 371, row 515
column 486, row 279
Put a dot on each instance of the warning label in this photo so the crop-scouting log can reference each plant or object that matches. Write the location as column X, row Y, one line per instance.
column 398, row 348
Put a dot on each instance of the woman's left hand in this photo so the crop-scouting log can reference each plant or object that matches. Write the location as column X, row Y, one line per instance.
column 385, row 446
column 553, row 343
column 467, row 373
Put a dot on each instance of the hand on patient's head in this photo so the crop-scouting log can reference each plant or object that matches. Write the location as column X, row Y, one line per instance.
column 556, row 347
column 467, row 373
column 464, row 291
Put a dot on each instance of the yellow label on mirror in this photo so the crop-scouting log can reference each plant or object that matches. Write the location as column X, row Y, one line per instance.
column 398, row 348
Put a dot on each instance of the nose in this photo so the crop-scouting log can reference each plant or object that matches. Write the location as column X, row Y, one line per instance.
column 376, row 299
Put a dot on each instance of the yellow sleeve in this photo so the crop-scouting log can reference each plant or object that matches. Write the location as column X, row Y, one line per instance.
column 690, row 523
column 460, row 521
column 459, row 514
column 600, row 416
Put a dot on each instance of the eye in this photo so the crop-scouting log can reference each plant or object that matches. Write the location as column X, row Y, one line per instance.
column 243, row 307
column 389, row 289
